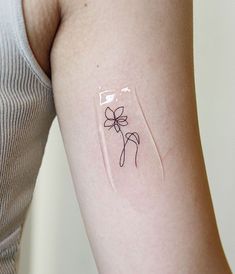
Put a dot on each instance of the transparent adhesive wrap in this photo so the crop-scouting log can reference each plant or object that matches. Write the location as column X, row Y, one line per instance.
column 131, row 156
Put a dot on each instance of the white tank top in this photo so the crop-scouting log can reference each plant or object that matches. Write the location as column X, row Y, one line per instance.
column 27, row 111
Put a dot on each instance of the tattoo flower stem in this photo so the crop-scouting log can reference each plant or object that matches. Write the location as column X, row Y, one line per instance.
column 115, row 119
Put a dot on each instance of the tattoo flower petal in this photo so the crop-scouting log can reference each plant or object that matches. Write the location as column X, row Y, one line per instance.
column 109, row 114
column 119, row 111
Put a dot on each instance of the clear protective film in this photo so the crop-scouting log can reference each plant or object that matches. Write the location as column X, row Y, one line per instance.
column 131, row 156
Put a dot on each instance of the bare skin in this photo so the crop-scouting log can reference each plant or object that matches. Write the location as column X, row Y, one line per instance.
column 146, row 44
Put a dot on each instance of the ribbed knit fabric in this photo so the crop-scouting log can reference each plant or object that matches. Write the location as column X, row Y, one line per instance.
column 26, row 113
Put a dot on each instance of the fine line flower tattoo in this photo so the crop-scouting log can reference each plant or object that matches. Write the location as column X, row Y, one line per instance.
column 115, row 119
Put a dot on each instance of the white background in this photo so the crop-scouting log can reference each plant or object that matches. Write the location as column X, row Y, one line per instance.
column 54, row 240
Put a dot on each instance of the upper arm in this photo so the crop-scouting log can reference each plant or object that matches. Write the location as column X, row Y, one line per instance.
column 146, row 224
column 116, row 44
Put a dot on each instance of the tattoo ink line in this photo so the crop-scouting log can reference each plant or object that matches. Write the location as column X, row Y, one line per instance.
column 128, row 136
column 115, row 119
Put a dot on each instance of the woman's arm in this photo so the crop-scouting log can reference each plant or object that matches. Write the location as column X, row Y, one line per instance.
column 123, row 82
